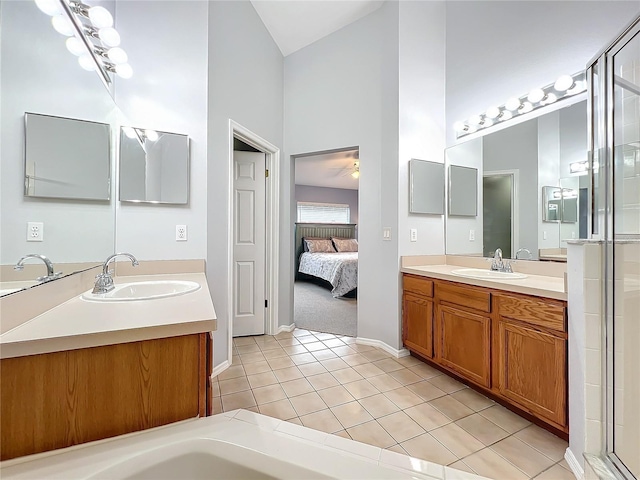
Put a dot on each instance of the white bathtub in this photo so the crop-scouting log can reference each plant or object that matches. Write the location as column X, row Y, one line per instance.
column 236, row 445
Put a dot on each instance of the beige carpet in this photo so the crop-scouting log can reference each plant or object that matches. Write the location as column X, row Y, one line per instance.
column 315, row 309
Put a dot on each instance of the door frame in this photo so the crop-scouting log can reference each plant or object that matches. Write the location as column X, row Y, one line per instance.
column 515, row 204
column 272, row 231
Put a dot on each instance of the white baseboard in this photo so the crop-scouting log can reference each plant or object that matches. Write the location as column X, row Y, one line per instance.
column 287, row 328
column 403, row 352
column 577, row 470
column 218, row 369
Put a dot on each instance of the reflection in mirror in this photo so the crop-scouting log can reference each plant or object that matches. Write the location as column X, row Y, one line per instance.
column 38, row 74
column 552, row 197
column 154, row 166
column 66, row 158
column 426, row 187
column 547, row 151
column 463, row 191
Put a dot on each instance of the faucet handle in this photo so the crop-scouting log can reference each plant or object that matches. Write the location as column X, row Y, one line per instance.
column 507, row 267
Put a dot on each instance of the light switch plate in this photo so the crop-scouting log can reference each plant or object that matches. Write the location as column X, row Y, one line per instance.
column 472, row 235
column 386, row 233
column 414, row 235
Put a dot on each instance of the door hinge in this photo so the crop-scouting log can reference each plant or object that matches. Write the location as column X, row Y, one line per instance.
column 266, row 304
column 266, row 173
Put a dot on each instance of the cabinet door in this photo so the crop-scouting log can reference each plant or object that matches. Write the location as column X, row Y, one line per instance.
column 417, row 324
column 533, row 370
column 463, row 343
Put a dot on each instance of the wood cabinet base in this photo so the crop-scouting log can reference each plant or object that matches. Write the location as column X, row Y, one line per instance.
column 60, row 399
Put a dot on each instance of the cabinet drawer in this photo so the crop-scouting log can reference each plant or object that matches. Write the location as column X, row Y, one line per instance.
column 464, row 296
column 417, row 285
column 536, row 312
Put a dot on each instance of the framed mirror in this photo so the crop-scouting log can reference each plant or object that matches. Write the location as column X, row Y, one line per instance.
column 426, row 187
column 463, row 191
column 66, row 158
column 154, row 166
column 551, row 204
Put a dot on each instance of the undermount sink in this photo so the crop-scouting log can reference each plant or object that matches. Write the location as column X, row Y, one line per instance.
column 487, row 274
column 149, row 290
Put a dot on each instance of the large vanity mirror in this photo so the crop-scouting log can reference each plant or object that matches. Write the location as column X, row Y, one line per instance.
column 154, row 166
column 531, row 193
column 39, row 76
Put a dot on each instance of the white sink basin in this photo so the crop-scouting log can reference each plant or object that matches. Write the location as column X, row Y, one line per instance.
column 150, row 290
column 487, row 274
column 7, row 291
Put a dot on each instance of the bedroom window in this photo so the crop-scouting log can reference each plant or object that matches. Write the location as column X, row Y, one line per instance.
column 310, row 212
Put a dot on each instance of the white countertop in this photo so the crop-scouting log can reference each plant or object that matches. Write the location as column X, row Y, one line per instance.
column 537, row 285
column 78, row 323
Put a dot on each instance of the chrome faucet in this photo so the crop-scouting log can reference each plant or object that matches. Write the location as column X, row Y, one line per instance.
column 525, row 250
column 51, row 275
column 104, row 280
column 498, row 264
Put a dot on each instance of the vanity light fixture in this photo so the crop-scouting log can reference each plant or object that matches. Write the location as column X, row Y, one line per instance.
column 92, row 37
column 565, row 86
column 579, row 167
column 356, row 170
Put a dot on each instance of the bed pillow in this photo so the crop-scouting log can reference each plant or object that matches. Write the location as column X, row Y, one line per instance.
column 345, row 244
column 319, row 245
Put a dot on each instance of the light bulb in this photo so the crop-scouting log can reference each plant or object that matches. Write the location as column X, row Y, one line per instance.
column 458, row 126
column 62, row 25
column 75, row 46
column 355, row 174
column 100, row 17
column 109, row 36
column 471, row 128
column 506, row 115
column 535, row 95
column 124, row 70
column 86, row 62
column 117, row 55
column 50, row 7
column 475, row 119
column 512, row 104
column 551, row 98
column 492, row 112
column 151, row 135
column 526, row 107
column 130, row 132
column 564, row 82
column 487, row 122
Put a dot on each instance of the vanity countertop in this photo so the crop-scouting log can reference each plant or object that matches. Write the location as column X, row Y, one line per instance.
column 537, row 285
column 78, row 323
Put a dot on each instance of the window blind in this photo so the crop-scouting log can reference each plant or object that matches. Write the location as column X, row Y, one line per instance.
column 310, row 212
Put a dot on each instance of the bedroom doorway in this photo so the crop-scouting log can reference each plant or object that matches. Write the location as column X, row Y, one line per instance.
column 325, row 226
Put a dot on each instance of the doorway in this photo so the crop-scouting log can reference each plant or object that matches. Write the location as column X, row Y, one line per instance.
column 254, row 199
column 499, row 212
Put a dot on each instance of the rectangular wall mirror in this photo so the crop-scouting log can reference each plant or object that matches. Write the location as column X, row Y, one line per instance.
column 154, row 166
column 66, row 158
column 426, row 187
column 552, row 204
column 463, row 191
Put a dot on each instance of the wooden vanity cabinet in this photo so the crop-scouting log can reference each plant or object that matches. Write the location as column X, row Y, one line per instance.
column 417, row 320
column 59, row 399
column 511, row 346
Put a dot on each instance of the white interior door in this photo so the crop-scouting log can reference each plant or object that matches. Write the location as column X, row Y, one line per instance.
column 248, row 243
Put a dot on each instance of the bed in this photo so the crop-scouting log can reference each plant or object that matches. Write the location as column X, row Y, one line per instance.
column 339, row 269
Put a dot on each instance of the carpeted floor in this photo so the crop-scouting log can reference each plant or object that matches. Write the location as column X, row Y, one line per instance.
column 315, row 309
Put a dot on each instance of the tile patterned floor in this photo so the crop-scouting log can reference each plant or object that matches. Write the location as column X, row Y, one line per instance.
column 330, row 383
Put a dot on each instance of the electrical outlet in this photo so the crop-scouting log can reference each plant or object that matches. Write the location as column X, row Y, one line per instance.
column 414, row 235
column 573, row 234
column 386, row 233
column 35, row 231
column 181, row 233
column 472, row 235
column 544, row 234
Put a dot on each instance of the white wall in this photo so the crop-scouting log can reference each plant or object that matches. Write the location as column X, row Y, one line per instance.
column 39, row 75
column 307, row 193
column 496, row 50
column 467, row 154
column 245, row 85
column 343, row 91
column 168, row 92
column 421, row 121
